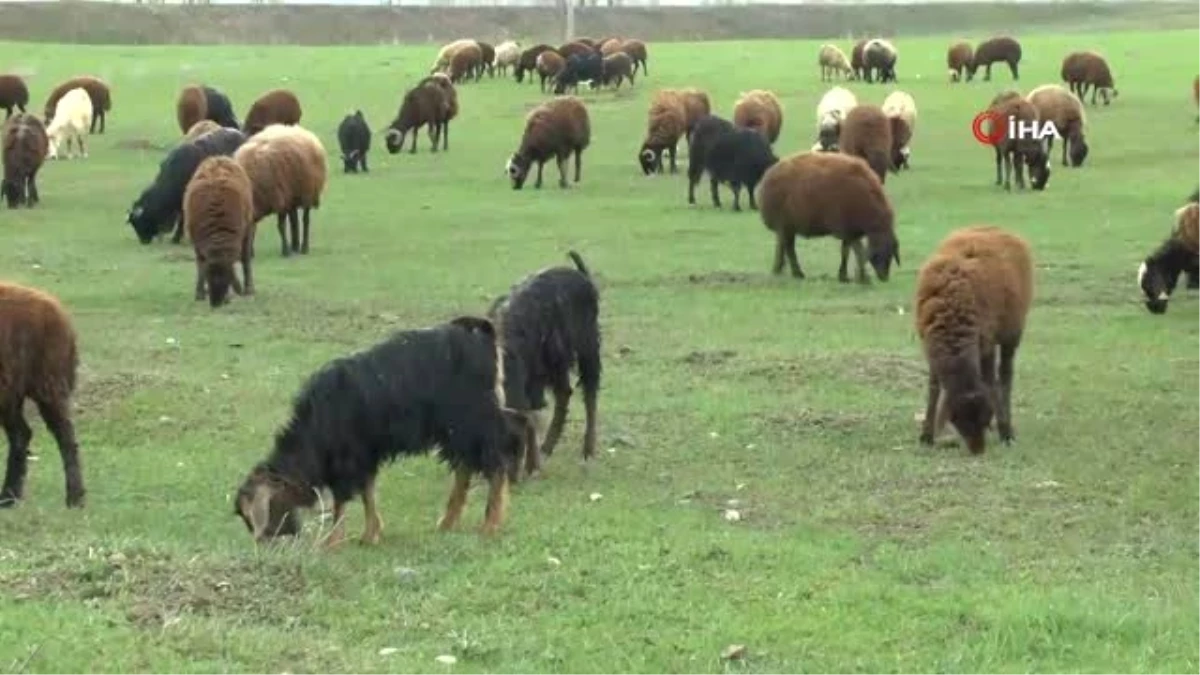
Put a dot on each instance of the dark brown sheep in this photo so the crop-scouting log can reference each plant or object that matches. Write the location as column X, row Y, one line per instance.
column 820, row 194
column 574, row 48
column 1053, row 102
column 666, row 123
column 278, row 106
column 617, row 68
column 423, row 105
column 442, row 81
column 759, row 109
column 1088, row 70
column 996, row 50
column 960, row 59
column 38, row 361
column 24, row 150
column 856, row 59
column 636, row 49
column 13, row 94
column 866, row 132
column 972, row 297
column 97, row 91
column 487, row 58
column 880, row 56
column 218, row 211
column 190, row 107
column 549, row 65
column 527, row 62
column 466, row 62
column 287, row 169
column 1019, row 153
column 554, row 129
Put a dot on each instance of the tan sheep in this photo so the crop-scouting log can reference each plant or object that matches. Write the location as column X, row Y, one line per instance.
column 820, row 194
column 555, row 129
column 610, row 46
column 960, row 59
column 759, row 109
column 507, row 55
column 866, row 132
column 97, row 91
column 901, row 110
column 1084, row 70
column 973, row 295
column 1053, row 102
column 666, row 123
column 287, row 169
column 833, row 61
column 218, row 211
column 996, row 50
column 636, row 49
column 442, row 62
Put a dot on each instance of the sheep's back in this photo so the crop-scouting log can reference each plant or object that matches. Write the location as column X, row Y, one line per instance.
column 1054, row 102
column 285, row 173
column 815, row 194
column 759, row 110
column 998, row 49
column 1187, row 227
column 38, row 356
column 218, row 208
column 560, row 123
column 667, row 119
column 867, row 133
column 25, row 145
column 278, row 106
column 190, row 107
column 697, row 105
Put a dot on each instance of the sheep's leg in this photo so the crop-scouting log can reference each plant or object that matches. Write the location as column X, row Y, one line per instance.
column 927, row 426
column 457, row 500
column 1012, row 65
column 374, row 526
column 82, row 147
column 307, row 216
column 737, row 195
column 645, row 68
column 18, row 433
column 716, row 197
column 362, row 161
column 860, row 257
column 999, row 152
column 497, row 503
column 562, row 396
column 578, row 163
column 294, row 227
column 435, row 132
column 672, row 149
column 283, row 242
column 57, row 416
column 777, row 266
column 199, row 295
column 987, row 75
column 1008, row 167
column 541, row 165
column 446, row 135
column 843, row 275
column 247, row 255
column 1004, row 412
column 750, row 193
column 1018, row 162
column 412, row 148
column 789, row 251
column 33, row 192
column 338, row 533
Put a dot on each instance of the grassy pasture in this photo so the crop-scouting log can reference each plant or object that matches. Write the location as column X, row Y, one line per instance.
column 858, row 550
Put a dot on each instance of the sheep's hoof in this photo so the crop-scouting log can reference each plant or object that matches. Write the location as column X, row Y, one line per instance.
column 76, row 500
column 1005, row 431
column 9, row 498
column 926, row 438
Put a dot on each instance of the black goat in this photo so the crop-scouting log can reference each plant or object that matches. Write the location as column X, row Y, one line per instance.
column 730, row 155
column 550, row 322
column 220, row 110
column 440, row 386
column 580, row 68
column 354, row 137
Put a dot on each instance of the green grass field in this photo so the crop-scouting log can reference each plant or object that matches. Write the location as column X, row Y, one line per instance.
column 792, row 402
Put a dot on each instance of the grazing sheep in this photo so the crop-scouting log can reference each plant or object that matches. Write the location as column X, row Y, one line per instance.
column 867, row 133
column 901, row 111
column 24, row 150
column 972, row 297
column 218, row 210
column 72, row 119
column 554, row 129
column 636, row 49
column 960, row 59
column 618, row 67
column 880, row 55
column 220, row 109
column 1020, row 152
column 487, row 58
column 1053, row 102
column 527, row 63
column 199, row 129
column 666, row 123
column 160, row 206
column 278, row 106
column 190, row 107
column 759, row 110
column 437, row 387
column 575, row 48
column 730, row 155
column 287, row 170
column 507, row 55
column 587, row 68
column 442, row 62
column 97, row 91
column 465, row 63
column 610, row 46
column 424, row 105
column 549, row 323
column 996, row 50
column 442, row 81
column 549, row 65
column 818, row 194
column 833, row 61
column 38, row 361
column 1159, row 273
column 1084, row 70
column 697, row 104
column 13, row 93
column 856, row 59
column 354, row 139
column 831, row 110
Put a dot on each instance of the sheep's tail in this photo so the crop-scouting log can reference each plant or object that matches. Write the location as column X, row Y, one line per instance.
column 578, row 260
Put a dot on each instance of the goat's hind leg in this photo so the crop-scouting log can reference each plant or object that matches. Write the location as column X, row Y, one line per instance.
column 57, row 416
column 18, row 433
column 562, row 397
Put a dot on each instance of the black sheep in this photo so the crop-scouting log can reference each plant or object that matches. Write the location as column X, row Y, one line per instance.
column 580, row 68
column 418, row 389
column 220, row 110
column 549, row 323
column 354, row 137
column 730, row 155
column 161, row 205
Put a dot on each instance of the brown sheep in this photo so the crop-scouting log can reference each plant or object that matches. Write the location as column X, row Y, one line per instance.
column 13, row 93
column 24, row 150
column 574, row 48
column 866, row 132
column 960, row 59
column 287, row 169
column 666, row 123
column 1019, row 152
column 527, row 62
column 618, row 67
column 819, row 194
column 1083, row 70
column 636, row 49
column 594, row 45
column 996, row 50
column 548, row 65
column 610, row 46
column 487, row 58
column 426, row 105
column 759, row 110
column 278, row 106
column 833, row 61
column 856, row 59
column 218, row 211
column 190, row 107
column 972, row 297
column 698, row 106
column 1065, row 110
column 556, row 128
column 97, row 91
column 465, row 62
column 38, row 361
column 880, row 56
column 199, row 129
column 442, row 81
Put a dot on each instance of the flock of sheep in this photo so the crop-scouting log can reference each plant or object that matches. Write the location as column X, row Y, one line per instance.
column 489, row 373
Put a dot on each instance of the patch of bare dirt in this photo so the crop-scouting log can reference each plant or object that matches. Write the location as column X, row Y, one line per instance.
column 98, row 393
column 712, row 358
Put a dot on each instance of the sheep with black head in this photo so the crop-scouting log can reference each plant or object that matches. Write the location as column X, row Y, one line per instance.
column 1180, row 253
column 354, row 137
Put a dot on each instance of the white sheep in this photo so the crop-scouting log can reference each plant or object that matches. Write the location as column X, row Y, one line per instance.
column 72, row 119
column 833, row 61
column 832, row 109
column 507, row 54
column 901, row 110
